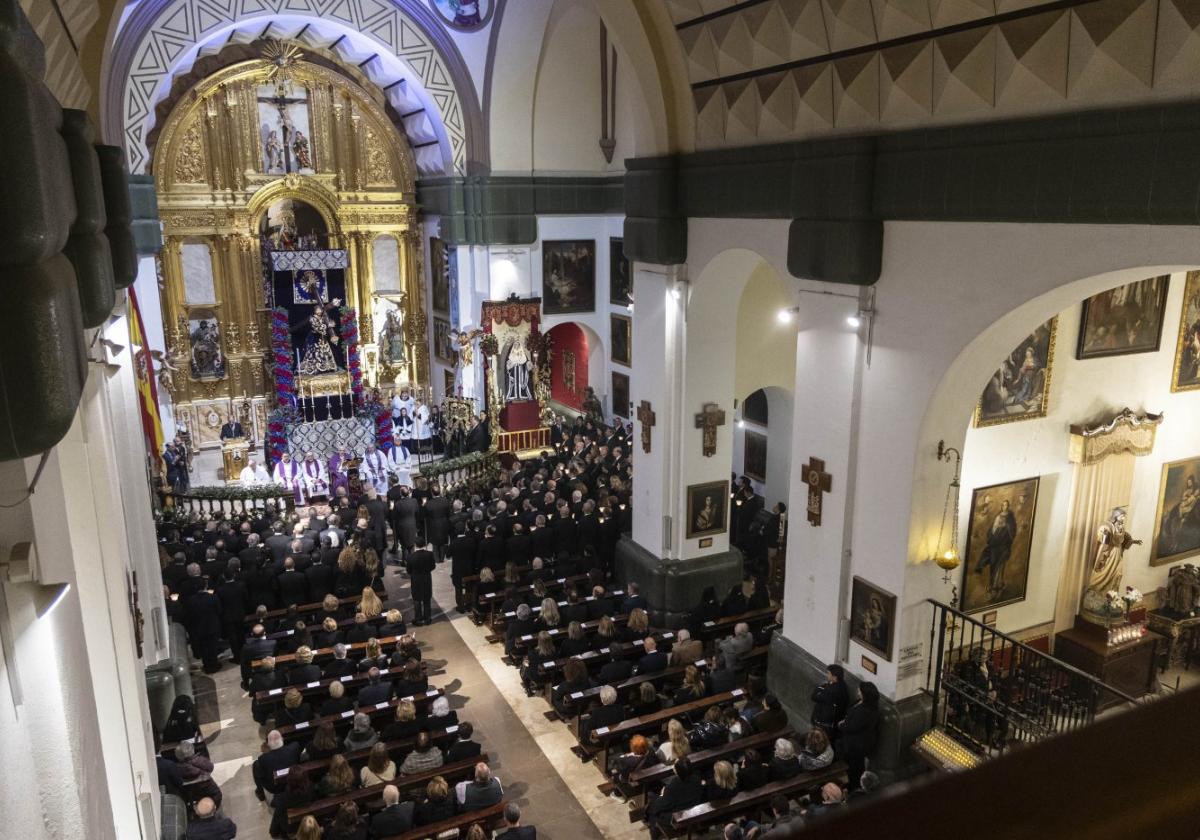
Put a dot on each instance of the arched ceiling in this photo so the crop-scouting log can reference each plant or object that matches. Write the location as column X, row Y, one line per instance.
column 401, row 47
column 767, row 70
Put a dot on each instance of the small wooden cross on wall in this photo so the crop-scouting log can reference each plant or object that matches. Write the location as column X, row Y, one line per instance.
column 646, row 417
column 710, row 417
column 819, row 482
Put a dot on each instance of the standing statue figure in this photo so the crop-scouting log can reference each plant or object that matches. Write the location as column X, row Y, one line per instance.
column 391, row 338
column 318, row 355
column 300, row 148
column 1104, row 574
column 517, row 369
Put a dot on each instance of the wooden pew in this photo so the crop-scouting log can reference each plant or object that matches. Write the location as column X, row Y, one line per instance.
column 353, row 682
column 293, row 731
column 606, row 736
column 651, row 778
column 580, row 700
column 397, row 748
column 487, row 604
column 342, row 625
column 560, row 632
column 550, row 670
column 489, row 817
column 301, row 609
column 721, row 627
column 354, row 651
column 698, row 819
column 322, row 809
column 501, row 619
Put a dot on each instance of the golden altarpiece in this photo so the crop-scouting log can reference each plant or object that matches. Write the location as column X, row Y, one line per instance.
column 271, row 149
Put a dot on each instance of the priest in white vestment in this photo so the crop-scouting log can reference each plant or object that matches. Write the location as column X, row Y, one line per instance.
column 287, row 473
column 398, row 463
column 253, row 473
column 314, row 477
column 375, row 468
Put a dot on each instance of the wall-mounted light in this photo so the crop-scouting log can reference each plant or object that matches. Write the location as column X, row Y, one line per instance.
column 786, row 316
column 18, row 569
column 854, row 320
column 947, row 558
column 741, row 424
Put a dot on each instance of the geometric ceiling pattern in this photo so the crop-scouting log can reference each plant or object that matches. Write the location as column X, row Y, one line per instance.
column 782, row 69
column 184, row 28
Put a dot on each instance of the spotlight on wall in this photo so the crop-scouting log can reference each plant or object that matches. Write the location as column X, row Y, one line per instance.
column 18, row 569
column 675, row 293
column 741, row 424
column 854, row 320
column 786, row 316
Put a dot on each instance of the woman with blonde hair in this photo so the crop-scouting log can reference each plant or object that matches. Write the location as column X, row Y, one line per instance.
column 693, row 688
column 638, row 625
column 331, row 607
column 304, row 671
column 478, row 832
column 511, row 575
column 549, row 617
column 406, row 724
column 437, row 805
column 294, row 711
column 724, row 782
column 373, row 649
column 339, row 778
column 370, row 605
column 310, row 829
column 379, row 768
column 676, row 746
column 328, row 635
column 350, row 577
column 338, row 702
column 393, row 624
column 606, row 632
column 575, row 643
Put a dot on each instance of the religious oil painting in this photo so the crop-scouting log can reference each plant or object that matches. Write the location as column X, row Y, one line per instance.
column 620, row 281
column 440, row 276
column 1177, row 525
column 207, row 360
column 999, row 542
column 872, row 617
column 621, row 328
column 1124, row 320
column 1187, row 354
column 467, row 15
column 568, row 276
column 754, row 463
column 1020, row 387
column 443, row 348
column 284, row 136
column 620, row 395
column 707, row 509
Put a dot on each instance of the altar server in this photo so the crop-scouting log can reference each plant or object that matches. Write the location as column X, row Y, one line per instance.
column 404, row 431
column 287, row 473
column 314, row 476
column 422, row 430
column 375, row 468
column 253, row 473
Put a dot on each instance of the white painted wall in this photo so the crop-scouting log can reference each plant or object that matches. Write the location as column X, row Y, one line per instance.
column 1080, row 391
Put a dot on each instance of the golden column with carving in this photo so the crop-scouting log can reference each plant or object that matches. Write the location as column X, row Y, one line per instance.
column 414, row 287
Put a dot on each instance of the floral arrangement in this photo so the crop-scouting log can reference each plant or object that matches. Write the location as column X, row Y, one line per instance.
column 489, row 345
column 278, row 421
column 1131, row 597
column 349, row 334
column 225, row 492
column 374, row 408
column 481, row 469
column 281, row 354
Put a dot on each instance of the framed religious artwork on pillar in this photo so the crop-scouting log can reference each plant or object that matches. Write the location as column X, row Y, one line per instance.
column 1124, row 320
column 872, row 617
column 1177, row 523
column 621, row 332
column 707, row 509
column 999, row 542
column 568, row 276
column 1020, row 387
column 1187, row 354
column 620, row 395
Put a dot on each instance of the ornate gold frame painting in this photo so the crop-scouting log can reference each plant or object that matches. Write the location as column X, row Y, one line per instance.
column 1124, row 320
column 872, row 617
column 707, row 509
column 1020, row 387
column 1186, row 376
column 1177, row 522
column 999, row 544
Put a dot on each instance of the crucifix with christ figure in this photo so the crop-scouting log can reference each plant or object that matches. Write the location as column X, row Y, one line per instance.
column 710, row 417
column 284, row 146
column 646, row 417
column 819, row 482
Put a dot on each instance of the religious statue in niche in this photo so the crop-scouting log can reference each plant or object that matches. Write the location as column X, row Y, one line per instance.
column 391, row 338
column 467, row 15
column 208, row 362
column 1104, row 575
column 517, row 370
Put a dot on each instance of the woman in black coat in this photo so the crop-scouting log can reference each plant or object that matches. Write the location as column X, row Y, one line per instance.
column 830, row 700
column 860, row 732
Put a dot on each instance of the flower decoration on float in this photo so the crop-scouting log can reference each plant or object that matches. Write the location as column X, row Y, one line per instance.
column 947, row 558
column 489, row 345
column 349, row 333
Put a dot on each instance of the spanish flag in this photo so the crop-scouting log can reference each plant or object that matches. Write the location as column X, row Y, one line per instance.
column 143, row 369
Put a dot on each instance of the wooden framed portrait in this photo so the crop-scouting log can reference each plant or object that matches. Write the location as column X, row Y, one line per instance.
column 754, row 462
column 1020, row 387
column 439, row 275
column 999, row 541
column 620, row 281
column 707, row 509
column 1124, row 320
column 443, row 349
column 872, row 617
column 620, row 394
column 568, row 276
column 1177, row 525
column 1187, row 354
column 621, row 338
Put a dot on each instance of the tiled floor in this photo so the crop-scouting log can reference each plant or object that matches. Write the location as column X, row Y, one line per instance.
column 531, row 755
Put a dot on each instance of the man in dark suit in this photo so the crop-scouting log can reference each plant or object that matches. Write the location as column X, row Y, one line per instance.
column 464, row 747
column 377, row 511
column 375, row 691
column 541, row 539
column 202, row 610
column 653, row 660
column 491, row 550
column 683, row 791
column 420, row 573
column 291, row 584
column 437, row 522
column 320, row 575
column 278, row 543
column 772, row 717
column 264, row 678
column 633, row 599
column 608, row 713
column 396, row 816
column 235, row 603
column 278, row 756
column 616, row 671
column 339, row 666
column 513, row 830
column 462, row 563
column 258, row 646
column 232, row 429
column 600, row 605
column 405, row 511
column 517, row 548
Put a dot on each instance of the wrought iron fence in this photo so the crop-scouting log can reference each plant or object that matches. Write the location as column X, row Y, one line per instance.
column 992, row 692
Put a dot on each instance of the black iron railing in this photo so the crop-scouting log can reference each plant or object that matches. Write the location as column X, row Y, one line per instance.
column 992, row 692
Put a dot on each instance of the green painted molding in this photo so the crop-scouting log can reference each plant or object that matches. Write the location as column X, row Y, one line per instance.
column 147, row 231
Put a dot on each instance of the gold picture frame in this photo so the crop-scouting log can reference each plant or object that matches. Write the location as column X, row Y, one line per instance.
column 715, row 516
column 1187, row 346
column 991, row 409
column 1177, row 519
column 621, row 339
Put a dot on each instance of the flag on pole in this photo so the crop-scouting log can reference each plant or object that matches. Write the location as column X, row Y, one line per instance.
column 147, row 387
